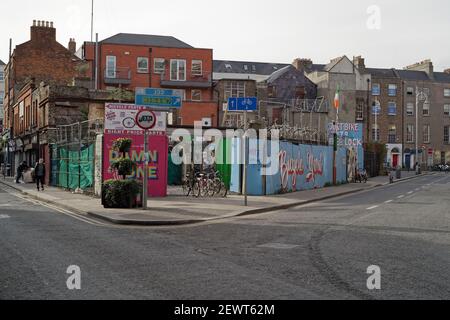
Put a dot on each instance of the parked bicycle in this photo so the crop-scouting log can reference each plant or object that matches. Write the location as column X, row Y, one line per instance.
column 204, row 184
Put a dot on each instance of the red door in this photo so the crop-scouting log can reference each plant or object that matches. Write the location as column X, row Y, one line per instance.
column 394, row 160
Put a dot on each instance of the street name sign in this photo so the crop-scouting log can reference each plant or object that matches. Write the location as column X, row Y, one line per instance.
column 159, row 98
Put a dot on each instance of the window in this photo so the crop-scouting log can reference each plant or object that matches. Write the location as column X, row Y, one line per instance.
column 392, row 134
column 178, row 70
column 360, row 110
column 447, row 109
column 245, row 67
column 197, row 68
column 392, row 109
column 426, row 109
column 253, row 68
column 376, row 89
column 159, row 65
column 142, row 65
column 446, row 134
column 2, row 76
column 392, row 90
column 2, row 95
column 410, row 91
column 410, row 109
column 426, row 133
column 196, row 95
column 375, row 133
column 446, row 92
column 376, row 108
column 234, row 89
column 410, row 133
column 110, row 67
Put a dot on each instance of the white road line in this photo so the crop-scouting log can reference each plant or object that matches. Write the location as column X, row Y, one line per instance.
column 402, row 196
column 389, row 201
column 411, row 192
column 371, row 208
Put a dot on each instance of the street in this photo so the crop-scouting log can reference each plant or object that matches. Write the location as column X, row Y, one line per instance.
column 317, row 251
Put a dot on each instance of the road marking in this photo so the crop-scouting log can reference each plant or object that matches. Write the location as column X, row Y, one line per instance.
column 371, row 208
column 4, row 216
column 402, row 196
column 389, row 201
column 281, row 246
column 411, row 192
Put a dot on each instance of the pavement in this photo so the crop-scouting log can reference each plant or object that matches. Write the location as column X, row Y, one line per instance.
column 177, row 209
column 321, row 250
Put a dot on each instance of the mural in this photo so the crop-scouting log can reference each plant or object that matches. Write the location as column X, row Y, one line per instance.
column 350, row 136
column 157, row 166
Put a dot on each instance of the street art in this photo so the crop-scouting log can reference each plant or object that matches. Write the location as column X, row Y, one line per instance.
column 350, row 136
column 290, row 169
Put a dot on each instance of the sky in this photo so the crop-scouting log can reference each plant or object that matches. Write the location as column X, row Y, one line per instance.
column 387, row 33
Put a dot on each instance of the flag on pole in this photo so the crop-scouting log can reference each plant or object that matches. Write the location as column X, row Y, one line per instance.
column 337, row 99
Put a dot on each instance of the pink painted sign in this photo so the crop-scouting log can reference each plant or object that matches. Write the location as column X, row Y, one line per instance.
column 158, row 156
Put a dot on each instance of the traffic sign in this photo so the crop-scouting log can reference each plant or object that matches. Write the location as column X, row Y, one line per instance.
column 243, row 104
column 159, row 98
column 146, row 119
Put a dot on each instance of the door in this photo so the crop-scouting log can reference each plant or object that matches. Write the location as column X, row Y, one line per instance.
column 408, row 161
column 394, row 160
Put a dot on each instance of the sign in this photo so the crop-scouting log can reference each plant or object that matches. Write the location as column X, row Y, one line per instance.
column 350, row 136
column 430, row 151
column 121, row 119
column 243, row 104
column 376, row 110
column 146, row 119
column 159, row 98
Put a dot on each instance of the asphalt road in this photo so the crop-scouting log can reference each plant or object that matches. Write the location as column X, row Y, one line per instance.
column 318, row 251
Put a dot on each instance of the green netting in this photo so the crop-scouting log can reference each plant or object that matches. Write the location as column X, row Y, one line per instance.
column 76, row 172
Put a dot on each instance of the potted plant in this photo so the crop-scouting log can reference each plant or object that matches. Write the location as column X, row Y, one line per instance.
column 122, row 193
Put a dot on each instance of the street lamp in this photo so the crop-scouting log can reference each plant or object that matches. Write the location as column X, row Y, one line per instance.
column 420, row 95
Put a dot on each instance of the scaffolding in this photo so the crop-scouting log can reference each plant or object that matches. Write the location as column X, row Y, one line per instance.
column 73, row 155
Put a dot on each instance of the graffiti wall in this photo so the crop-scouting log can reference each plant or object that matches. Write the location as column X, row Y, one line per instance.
column 157, row 167
column 350, row 136
column 301, row 167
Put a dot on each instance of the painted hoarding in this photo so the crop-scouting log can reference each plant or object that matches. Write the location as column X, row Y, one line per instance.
column 350, row 136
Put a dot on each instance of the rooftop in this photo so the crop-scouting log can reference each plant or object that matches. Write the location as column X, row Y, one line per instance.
column 247, row 67
column 147, row 40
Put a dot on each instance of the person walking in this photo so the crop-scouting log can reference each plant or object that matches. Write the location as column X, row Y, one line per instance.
column 39, row 173
column 20, row 170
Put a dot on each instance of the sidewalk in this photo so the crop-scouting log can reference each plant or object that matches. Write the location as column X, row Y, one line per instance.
column 177, row 209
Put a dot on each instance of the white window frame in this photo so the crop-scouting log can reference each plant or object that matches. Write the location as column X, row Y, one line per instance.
column 199, row 92
column 392, row 132
column 2, row 76
column 426, row 107
column 446, row 135
column 390, row 103
column 141, row 70
column 375, row 132
column 410, row 91
column 447, row 92
column 179, row 63
column 234, row 89
column 111, row 73
column 379, row 89
column 410, row 133
column 426, row 133
column 410, row 107
column 196, row 72
column 446, row 109
column 392, row 86
column 159, row 70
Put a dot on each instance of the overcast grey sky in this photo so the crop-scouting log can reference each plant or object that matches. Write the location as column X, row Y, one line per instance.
column 268, row 31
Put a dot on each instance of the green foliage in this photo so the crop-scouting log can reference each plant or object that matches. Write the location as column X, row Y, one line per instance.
column 121, row 193
column 328, row 184
column 124, row 167
column 122, row 145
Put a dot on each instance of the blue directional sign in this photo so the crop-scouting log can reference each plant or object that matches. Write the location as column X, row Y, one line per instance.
column 243, row 104
column 159, row 98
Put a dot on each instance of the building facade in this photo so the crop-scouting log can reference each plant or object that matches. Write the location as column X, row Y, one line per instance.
column 133, row 61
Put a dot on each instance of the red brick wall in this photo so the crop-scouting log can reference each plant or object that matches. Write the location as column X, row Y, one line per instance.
column 195, row 111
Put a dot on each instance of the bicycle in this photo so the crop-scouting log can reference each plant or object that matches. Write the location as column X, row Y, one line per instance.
column 191, row 186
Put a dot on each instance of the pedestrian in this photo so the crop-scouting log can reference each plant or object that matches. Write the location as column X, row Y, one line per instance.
column 39, row 173
column 20, row 170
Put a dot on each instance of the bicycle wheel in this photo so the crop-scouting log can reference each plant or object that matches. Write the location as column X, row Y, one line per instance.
column 204, row 190
column 223, row 190
column 187, row 188
column 196, row 189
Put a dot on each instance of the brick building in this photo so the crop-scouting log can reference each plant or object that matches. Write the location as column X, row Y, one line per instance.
column 133, row 61
column 41, row 58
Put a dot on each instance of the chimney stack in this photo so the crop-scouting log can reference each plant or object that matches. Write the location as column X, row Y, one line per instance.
column 447, row 71
column 43, row 31
column 425, row 66
column 360, row 63
column 72, row 46
column 302, row 64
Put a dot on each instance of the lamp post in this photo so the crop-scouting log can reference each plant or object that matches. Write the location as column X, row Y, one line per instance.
column 420, row 95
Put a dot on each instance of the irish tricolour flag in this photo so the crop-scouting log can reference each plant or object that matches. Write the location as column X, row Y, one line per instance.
column 337, row 99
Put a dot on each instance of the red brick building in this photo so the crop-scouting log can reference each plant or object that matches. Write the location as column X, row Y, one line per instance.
column 41, row 58
column 131, row 61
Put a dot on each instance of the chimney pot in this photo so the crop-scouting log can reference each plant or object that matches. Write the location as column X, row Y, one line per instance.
column 34, row 23
column 47, row 24
column 51, row 24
